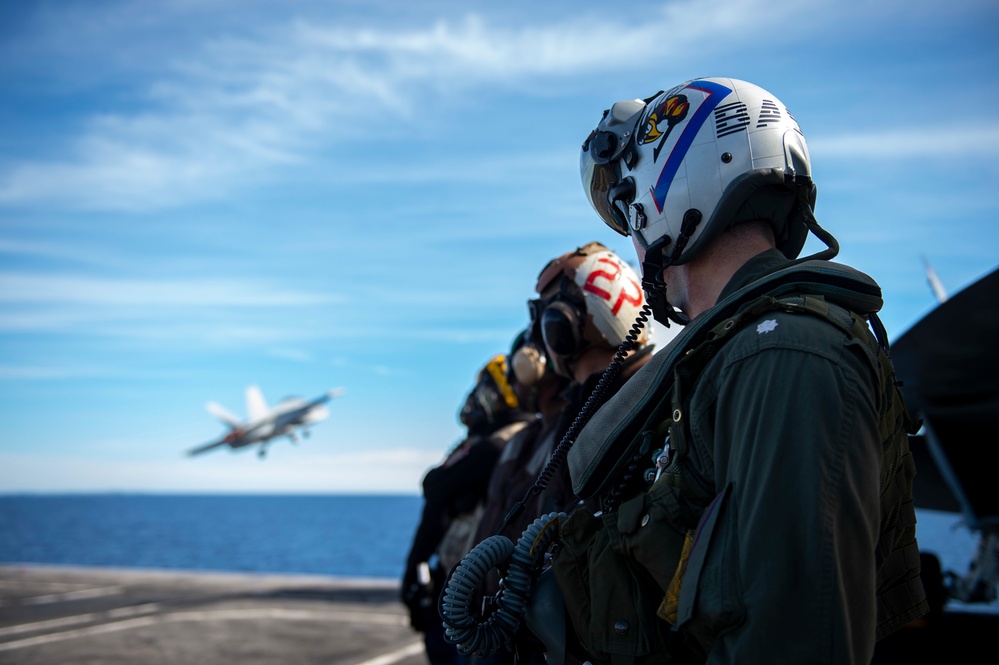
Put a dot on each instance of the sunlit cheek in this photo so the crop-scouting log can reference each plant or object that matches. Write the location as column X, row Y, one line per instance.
column 638, row 249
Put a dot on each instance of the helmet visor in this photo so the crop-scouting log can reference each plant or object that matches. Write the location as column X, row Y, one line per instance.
column 598, row 181
column 600, row 163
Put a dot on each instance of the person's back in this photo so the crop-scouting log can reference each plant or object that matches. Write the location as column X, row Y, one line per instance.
column 517, row 469
column 453, row 494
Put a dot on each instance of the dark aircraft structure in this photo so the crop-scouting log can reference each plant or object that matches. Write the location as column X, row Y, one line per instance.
column 948, row 363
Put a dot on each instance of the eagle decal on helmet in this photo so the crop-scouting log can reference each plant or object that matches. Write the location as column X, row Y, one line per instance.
column 713, row 94
column 671, row 112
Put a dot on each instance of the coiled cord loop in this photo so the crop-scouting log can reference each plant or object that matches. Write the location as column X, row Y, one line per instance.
column 522, row 560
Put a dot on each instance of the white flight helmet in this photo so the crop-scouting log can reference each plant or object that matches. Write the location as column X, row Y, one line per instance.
column 674, row 170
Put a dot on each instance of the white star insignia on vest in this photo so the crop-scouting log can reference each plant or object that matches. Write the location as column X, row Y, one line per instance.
column 766, row 326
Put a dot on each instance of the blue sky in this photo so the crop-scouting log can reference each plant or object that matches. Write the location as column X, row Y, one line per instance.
column 200, row 195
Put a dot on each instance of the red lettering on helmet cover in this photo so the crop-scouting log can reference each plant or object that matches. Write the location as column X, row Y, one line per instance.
column 623, row 297
column 612, row 275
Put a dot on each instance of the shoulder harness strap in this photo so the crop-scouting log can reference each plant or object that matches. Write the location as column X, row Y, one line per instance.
column 598, row 455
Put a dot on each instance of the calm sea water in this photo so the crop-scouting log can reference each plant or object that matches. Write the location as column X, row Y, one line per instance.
column 357, row 536
column 362, row 536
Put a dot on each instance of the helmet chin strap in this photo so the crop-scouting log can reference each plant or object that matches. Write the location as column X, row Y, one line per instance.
column 656, row 261
column 655, row 289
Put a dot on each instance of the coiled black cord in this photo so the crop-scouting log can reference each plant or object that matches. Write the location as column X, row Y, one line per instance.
column 499, row 629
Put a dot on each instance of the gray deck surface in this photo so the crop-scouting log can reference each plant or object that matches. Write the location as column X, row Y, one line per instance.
column 52, row 614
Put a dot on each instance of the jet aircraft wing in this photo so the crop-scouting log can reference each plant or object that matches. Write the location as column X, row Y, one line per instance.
column 306, row 413
column 206, row 447
column 327, row 396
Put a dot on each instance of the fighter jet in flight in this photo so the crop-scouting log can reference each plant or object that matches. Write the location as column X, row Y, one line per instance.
column 291, row 417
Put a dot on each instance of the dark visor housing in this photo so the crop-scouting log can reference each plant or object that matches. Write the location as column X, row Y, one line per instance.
column 609, row 193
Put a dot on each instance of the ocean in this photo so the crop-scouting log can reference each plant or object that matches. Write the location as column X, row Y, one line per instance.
column 339, row 535
column 342, row 535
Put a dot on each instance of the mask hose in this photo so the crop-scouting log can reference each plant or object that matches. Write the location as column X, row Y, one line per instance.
column 523, row 560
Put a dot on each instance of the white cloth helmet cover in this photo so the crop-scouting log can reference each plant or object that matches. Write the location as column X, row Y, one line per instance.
column 588, row 297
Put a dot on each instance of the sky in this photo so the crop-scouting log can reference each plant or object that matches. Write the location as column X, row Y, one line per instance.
column 196, row 196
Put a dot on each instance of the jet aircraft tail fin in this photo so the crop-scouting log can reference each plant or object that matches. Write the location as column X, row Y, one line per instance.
column 256, row 407
column 223, row 414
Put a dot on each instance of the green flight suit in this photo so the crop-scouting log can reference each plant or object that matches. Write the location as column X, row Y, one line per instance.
column 790, row 479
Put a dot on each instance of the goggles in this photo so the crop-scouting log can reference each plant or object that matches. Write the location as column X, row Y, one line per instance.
column 562, row 329
column 557, row 336
column 558, row 320
column 612, row 142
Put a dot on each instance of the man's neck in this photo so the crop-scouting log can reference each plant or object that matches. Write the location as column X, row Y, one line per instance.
column 707, row 275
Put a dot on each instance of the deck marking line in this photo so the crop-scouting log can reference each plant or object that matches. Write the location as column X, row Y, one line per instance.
column 79, row 632
column 207, row 615
column 397, row 655
column 48, row 625
column 77, row 619
column 73, row 595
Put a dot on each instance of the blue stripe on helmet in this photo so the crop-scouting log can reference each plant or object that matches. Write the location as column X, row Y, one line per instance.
column 716, row 93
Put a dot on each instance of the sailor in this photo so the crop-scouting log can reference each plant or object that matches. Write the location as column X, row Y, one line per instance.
column 774, row 521
column 587, row 300
column 453, row 495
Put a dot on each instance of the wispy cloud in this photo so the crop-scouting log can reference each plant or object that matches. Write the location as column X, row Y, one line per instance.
column 29, row 372
column 906, row 142
column 294, row 355
column 242, row 105
column 385, row 470
column 32, row 288
column 41, row 373
column 206, row 313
